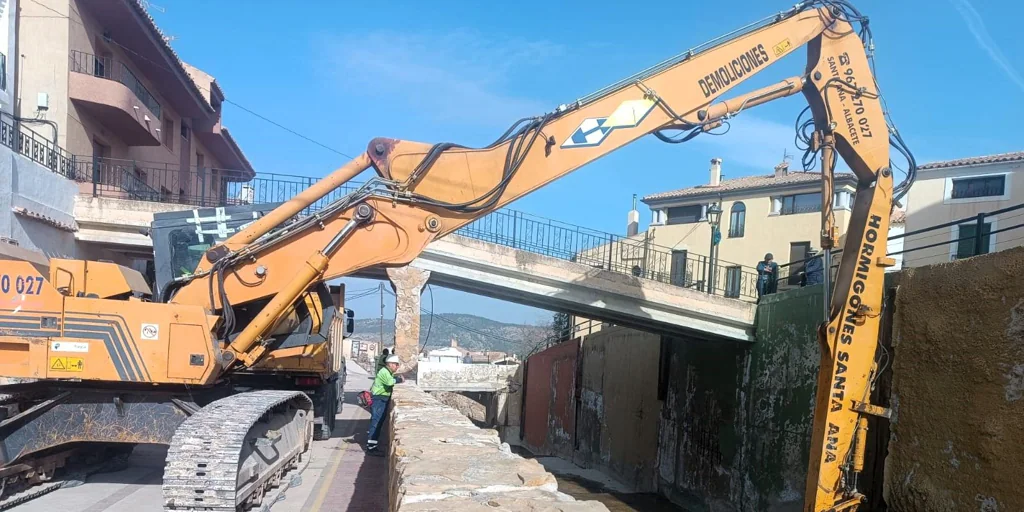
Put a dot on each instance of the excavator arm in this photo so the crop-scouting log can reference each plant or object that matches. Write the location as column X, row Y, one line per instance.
column 423, row 192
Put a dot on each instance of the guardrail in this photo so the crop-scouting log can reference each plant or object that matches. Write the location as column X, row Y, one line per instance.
column 195, row 186
column 33, row 146
column 791, row 273
column 639, row 257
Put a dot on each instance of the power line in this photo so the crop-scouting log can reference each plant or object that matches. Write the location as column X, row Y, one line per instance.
column 165, row 68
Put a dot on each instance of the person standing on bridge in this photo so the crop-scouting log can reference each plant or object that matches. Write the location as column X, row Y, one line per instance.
column 767, row 276
column 381, row 389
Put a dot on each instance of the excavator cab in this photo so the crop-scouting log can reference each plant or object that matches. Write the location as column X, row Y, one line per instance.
column 181, row 238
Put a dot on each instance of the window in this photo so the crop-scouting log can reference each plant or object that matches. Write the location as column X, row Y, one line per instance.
column 737, row 220
column 733, row 278
column 801, row 203
column 167, row 133
column 982, row 186
column 965, row 246
column 685, row 214
column 184, row 131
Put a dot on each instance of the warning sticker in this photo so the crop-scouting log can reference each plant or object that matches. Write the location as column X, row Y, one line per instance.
column 150, row 331
column 66, row 364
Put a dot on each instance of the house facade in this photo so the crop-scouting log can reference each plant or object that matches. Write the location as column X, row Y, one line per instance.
column 778, row 213
column 961, row 189
column 98, row 79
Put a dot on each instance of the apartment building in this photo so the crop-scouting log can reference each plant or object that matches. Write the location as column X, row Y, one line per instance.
column 961, row 189
column 134, row 120
column 778, row 213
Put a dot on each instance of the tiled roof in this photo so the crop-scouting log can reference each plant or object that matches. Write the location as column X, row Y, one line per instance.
column 745, row 183
column 139, row 8
column 1013, row 156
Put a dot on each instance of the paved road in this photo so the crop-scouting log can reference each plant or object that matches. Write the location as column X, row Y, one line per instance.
column 339, row 476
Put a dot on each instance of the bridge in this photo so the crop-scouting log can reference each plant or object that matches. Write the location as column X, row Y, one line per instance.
column 508, row 255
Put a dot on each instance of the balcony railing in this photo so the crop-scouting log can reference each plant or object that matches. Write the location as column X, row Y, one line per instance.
column 637, row 257
column 194, row 186
column 110, row 69
column 33, row 146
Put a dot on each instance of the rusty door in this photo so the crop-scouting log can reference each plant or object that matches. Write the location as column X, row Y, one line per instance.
column 549, row 425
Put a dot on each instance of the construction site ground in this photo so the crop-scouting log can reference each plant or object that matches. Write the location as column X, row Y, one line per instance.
column 340, row 476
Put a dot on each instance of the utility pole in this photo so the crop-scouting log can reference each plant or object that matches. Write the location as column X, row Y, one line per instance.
column 381, row 317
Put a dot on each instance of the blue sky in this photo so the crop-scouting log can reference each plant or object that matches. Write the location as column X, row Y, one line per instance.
column 345, row 72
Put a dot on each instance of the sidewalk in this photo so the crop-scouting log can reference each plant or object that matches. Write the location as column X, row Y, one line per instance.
column 341, row 477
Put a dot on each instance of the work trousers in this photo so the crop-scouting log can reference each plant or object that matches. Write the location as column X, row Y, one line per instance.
column 377, row 410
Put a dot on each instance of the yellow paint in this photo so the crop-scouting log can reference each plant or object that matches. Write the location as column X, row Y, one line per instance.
column 782, row 47
column 329, row 479
column 629, row 113
column 66, row 364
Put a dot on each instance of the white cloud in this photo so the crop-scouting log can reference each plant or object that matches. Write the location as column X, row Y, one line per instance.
column 459, row 76
column 984, row 39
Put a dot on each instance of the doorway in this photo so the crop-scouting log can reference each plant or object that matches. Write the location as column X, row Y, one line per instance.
column 797, row 251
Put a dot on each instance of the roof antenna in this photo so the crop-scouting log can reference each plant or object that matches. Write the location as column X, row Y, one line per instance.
column 147, row 5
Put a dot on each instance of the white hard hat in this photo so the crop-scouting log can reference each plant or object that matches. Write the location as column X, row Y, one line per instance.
column 392, row 359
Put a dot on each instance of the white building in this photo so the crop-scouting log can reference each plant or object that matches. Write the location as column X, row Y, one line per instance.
column 450, row 355
column 962, row 189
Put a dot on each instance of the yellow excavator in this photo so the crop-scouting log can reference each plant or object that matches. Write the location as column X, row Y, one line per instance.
column 113, row 365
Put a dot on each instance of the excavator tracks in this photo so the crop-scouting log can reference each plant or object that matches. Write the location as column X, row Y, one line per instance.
column 230, row 454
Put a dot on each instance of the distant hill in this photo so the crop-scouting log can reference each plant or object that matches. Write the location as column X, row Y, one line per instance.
column 472, row 332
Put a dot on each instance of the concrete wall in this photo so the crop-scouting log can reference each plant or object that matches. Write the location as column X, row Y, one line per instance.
column 39, row 191
column 617, row 423
column 435, row 376
column 928, row 204
column 43, row 40
column 958, row 387
column 438, row 460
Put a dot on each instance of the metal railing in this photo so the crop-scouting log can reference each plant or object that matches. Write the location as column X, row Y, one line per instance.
column 110, row 69
column 638, row 257
column 791, row 273
column 35, row 147
column 194, row 186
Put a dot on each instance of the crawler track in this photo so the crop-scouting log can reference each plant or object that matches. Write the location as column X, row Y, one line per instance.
column 231, row 453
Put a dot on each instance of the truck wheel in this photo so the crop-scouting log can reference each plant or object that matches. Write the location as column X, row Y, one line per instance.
column 322, row 432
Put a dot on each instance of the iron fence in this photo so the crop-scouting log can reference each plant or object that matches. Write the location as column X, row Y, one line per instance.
column 194, row 186
column 638, row 257
column 792, row 273
column 110, row 69
column 35, row 147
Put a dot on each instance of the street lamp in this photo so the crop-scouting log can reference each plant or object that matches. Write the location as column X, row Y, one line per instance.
column 714, row 216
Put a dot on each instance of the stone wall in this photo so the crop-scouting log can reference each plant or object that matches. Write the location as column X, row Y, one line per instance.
column 617, row 426
column 438, row 460
column 957, row 438
column 435, row 376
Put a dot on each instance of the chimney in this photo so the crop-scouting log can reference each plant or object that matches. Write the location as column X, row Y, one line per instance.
column 782, row 169
column 716, row 172
column 455, row 343
column 633, row 220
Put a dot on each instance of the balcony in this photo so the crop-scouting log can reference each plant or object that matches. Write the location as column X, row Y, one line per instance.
column 111, row 92
column 194, row 186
